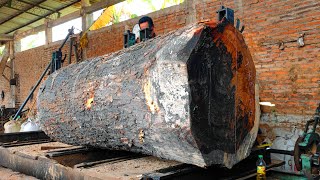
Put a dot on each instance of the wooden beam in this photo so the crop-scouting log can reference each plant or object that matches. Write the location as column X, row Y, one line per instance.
column 48, row 32
column 100, row 5
column 6, row 37
column 4, row 58
column 64, row 19
column 12, row 74
column 21, row 34
column 86, row 22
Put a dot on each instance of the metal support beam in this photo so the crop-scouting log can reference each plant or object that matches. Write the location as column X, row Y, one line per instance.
column 43, row 16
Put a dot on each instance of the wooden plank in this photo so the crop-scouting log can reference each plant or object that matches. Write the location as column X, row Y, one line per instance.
column 187, row 96
column 101, row 5
column 4, row 58
column 6, row 37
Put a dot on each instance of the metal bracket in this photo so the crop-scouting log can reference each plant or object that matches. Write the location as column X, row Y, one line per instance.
column 129, row 39
column 226, row 13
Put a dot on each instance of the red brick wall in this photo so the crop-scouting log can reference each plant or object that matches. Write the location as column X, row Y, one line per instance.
column 289, row 78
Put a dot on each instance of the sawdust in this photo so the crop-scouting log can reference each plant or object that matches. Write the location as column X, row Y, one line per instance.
column 133, row 169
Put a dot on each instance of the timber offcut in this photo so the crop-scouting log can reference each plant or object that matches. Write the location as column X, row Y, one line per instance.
column 187, row 96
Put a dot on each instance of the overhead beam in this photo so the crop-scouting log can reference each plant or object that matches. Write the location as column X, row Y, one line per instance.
column 20, row 35
column 100, row 5
column 43, row 16
column 6, row 37
column 64, row 19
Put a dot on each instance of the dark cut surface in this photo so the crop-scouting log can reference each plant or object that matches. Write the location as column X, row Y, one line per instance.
column 212, row 95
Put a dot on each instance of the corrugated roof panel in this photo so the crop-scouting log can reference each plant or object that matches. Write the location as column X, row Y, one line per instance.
column 67, row 11
column 13, row 24
column 8, row 10
column 54, row 4
column 25, row 18
column 4, row 29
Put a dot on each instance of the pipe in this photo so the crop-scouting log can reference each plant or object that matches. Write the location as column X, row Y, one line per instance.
column 31, row 92
column 70, row 50
column 70, row 32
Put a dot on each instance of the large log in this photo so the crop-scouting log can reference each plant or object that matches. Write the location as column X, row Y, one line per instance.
column 187, row 96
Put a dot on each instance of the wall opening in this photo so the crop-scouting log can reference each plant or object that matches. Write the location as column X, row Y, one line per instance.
column 33, row 41
column 131, row 9
column 1, row 50
column 59, row 32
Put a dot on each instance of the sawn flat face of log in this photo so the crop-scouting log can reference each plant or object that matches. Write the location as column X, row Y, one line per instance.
column 186, row 96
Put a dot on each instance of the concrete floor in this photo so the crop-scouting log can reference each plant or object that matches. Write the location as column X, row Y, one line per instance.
column 8, row 174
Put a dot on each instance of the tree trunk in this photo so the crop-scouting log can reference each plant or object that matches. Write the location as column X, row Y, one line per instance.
column 187, row 96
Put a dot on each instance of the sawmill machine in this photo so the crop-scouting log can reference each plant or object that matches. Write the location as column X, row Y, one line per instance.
column 307, row 147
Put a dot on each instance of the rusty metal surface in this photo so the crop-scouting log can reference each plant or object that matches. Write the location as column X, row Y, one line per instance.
column 185, row 96
column 22, row 137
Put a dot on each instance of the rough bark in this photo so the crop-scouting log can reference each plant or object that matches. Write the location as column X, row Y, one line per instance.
column 187, row 96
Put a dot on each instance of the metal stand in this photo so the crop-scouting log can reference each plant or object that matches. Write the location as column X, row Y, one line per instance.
column 55, row 64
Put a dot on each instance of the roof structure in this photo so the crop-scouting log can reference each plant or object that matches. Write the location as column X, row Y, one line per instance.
column 27, row 14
